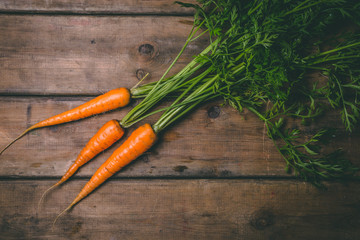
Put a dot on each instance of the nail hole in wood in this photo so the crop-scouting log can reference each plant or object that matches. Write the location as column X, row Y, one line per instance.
column 145, row 158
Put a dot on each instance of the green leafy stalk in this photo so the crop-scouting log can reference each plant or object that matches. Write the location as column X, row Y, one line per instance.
column 259, row 57
column 262, row 58
column 160, row 89
column 198, row 95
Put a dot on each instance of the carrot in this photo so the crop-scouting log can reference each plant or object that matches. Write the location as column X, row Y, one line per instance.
column 103, row 139
column 111, row 100
column 137, row 143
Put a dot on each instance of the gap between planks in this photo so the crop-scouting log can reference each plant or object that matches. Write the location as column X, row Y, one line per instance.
column 100, row 7
column 260, row 179
column 187, row 177
column 92, row 13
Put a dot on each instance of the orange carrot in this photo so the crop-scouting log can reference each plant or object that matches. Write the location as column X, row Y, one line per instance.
column 138, row 143
column 113, row 99
column 103, row 139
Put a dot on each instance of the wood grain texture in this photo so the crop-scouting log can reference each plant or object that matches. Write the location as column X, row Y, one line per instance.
column 183, row 209
column 213, row 141
column 198, row 146
column 87, row 55
column 95, row 7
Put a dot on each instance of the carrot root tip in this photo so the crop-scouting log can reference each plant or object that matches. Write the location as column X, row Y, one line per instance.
column 44, row 194
column 62, row 213
column 13, row 141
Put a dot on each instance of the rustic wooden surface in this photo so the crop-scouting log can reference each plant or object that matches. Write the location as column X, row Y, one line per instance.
column 183, row 209
column 214, row 175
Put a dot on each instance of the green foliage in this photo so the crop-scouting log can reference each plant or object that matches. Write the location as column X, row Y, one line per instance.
column 265, row 51
column 260, row 55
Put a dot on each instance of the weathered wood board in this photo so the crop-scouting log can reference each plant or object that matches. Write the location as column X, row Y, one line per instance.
column 87, row 55
column 213, row 141
column 182, row 209
column 231, row 147
column 133, row 7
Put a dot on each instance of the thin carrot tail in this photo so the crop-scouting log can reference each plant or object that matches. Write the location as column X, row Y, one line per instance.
column 67, row 175
column 20, row 136
column 62, row 213
column 48, row 190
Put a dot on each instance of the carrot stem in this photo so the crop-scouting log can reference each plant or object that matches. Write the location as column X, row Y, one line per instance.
column 137, row 84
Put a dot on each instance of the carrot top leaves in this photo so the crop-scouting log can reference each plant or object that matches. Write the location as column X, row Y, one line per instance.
column 261, row 55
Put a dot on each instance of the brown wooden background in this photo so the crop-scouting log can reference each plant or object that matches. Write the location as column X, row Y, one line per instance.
column 214, row 175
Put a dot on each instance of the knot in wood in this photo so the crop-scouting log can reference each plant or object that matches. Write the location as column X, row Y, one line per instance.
column 140, row 74
column 262, row 219
column 146, row 49
column 214, row 112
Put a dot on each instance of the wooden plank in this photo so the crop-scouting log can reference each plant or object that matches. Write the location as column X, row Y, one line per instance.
column 213, row 141
column 182, row 150
column 182, row 209
column 95, row 7
column 47, row 55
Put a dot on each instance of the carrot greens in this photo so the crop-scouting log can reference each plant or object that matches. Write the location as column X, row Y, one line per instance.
column 260, row 56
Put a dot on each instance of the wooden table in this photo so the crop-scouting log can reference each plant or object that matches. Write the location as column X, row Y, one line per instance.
column 213, row 175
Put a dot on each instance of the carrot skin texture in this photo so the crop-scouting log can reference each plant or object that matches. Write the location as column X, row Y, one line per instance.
column 111, row 100
column 138, row 142
column 107, row 135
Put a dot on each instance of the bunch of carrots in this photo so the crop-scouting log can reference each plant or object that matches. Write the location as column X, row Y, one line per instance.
column 137, row 143
column 252, row 56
